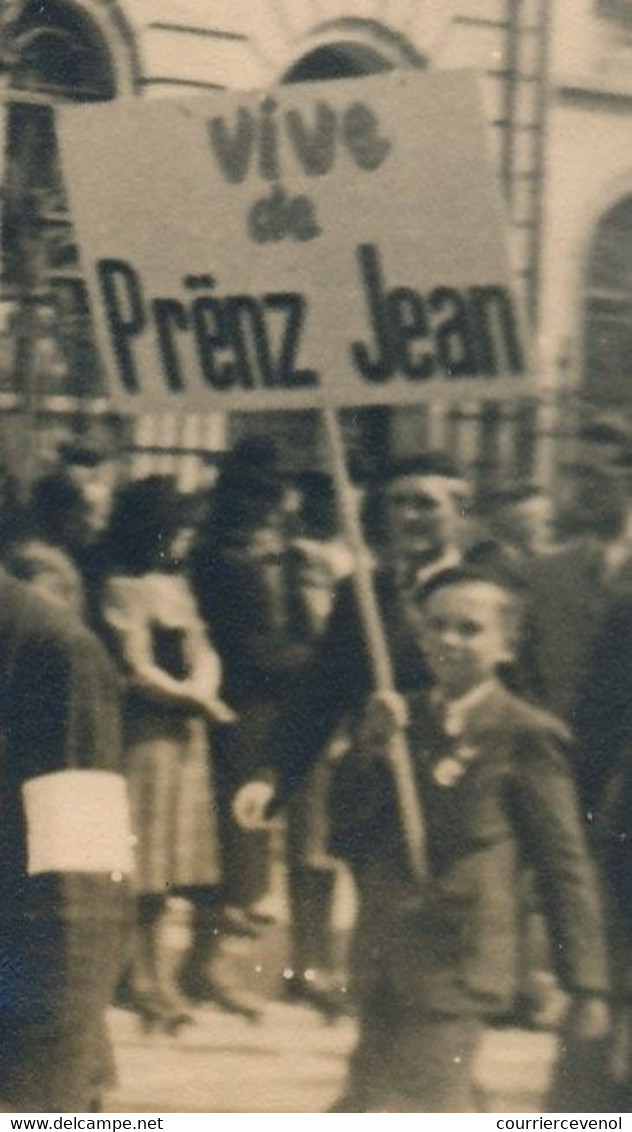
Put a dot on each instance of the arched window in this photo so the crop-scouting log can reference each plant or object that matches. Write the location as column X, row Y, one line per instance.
column 57, row 50
column 53, row 53
column 338, row 61
column 607, row 377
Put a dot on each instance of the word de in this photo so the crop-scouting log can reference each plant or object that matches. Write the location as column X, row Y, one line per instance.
column 279, row 215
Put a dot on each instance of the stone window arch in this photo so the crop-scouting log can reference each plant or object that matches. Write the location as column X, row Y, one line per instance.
column 350, row 48
column 607, row 354
column 59, row 51
column 63, row 51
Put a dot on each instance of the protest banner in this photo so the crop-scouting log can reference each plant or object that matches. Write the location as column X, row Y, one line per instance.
column 334, row 243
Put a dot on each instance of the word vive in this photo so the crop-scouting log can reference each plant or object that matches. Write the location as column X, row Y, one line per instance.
column 248, row 342
column 312, row 146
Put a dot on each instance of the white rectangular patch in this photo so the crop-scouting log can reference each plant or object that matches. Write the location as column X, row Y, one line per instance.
column 78, row 821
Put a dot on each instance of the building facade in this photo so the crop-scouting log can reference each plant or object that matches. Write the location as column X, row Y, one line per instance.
column 556, row 77
column 586, row 280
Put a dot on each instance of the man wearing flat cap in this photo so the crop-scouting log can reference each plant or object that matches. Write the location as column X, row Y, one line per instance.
column 414, row 521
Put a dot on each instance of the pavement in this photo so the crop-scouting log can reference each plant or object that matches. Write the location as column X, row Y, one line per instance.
column 289, row 1061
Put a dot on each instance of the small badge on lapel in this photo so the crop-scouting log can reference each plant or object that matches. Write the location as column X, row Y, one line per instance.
column 450, row 770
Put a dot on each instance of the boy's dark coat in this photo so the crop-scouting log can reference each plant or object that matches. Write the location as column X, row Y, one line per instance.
column 454, row 945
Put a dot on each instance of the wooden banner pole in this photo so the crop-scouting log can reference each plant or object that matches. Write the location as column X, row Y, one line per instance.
column 399, row 757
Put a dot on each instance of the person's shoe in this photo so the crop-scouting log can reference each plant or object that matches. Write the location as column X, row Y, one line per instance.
column 260, row 917
column 316, row 989
column 238, row 922
column 269, row 910
column 174, row 1015
column 124, row 994
column 155, row 1011
column 199, row 987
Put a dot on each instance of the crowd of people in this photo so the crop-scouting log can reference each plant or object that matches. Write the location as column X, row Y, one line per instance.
column 210, row 652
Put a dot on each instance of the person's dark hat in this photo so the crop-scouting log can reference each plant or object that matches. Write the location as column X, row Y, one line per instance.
column 55, row 494
column 58, row 510
column 252, row 453
column 251, row 483
column 434, row 463
column 465, row 575
column 250, row 469
column 145, row 511
column 244, row 497
column 314, row 483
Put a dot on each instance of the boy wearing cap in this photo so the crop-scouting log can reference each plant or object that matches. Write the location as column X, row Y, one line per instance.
column 434, row 960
